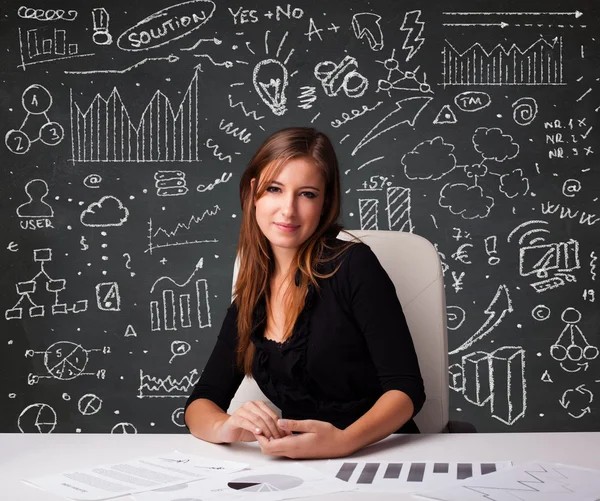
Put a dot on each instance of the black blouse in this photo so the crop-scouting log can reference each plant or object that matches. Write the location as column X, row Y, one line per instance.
column 349, row 345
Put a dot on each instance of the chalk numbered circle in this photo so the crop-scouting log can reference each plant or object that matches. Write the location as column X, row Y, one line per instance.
column 89, row 404
column 17, row 141
column 52, row 133
column 65, row 360
column 36, row 99
column 37, row 418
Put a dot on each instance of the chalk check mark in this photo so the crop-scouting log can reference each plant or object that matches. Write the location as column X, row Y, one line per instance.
column 584, row 136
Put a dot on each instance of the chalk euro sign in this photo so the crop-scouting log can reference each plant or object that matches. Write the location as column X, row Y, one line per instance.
column 167, row 25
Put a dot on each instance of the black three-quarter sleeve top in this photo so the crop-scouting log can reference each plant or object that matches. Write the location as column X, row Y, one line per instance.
column 349, row 345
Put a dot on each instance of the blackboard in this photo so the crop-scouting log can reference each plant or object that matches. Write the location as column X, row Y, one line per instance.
column 127, row 126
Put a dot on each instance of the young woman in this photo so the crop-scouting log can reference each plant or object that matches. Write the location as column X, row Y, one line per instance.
column 315, row 321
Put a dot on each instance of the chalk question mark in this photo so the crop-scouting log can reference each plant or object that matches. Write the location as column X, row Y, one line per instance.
column 128, row 263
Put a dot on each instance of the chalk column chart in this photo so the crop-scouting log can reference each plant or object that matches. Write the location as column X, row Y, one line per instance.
column 539, row 64
column 46, row 45
column 180, row 304
column 105, row 132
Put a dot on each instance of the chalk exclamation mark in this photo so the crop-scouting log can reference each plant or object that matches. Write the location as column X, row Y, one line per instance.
column 490, row 249
column 101, row 35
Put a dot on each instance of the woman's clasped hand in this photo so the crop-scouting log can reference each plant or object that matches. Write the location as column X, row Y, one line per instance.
column 252, row 419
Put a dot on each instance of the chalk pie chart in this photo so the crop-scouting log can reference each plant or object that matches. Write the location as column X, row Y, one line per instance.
column 265, row 483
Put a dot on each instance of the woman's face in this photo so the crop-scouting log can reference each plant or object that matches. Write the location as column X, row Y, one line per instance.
column 288, row 212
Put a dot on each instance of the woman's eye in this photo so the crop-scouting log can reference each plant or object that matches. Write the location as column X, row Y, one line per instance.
column 309, row 194
column 272, row 189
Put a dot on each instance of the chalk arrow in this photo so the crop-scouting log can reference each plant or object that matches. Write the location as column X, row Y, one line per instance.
column 496, row 311
column 366, row 25
column 407, row 111
column 577, row 14
column 501, row 25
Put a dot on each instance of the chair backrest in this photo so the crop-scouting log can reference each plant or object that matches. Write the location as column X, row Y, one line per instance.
column 414, row 266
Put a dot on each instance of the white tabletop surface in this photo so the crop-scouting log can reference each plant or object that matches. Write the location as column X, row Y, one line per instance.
column 31, row 455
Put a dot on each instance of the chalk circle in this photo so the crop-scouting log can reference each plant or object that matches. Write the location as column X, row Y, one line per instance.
column 52, row 133
column 455, row 316
column 37, row 418
column 590, row 352
column 178, row 417
column 558, row 352
column 66, row 397
column 541, row 312
column 36, row 99
column 17, row 141
column 574, row 352
column 570, row 316
column 179, row 348
column 124, row 428
column 89, row 404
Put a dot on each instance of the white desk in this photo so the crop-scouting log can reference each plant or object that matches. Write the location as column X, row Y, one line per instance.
column 35, row 455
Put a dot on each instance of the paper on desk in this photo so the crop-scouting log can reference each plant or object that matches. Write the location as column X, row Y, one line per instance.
column 407, row 476
column 534, row 481
column 266, row 483
column 119, row 479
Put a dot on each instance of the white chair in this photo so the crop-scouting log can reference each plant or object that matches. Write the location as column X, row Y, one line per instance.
column 414, row 266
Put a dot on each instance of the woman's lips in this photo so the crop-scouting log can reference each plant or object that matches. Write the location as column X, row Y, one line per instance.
column 287, row 227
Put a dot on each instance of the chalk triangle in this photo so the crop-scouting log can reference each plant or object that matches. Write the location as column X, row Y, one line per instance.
column 445, row 116
column 546, row 377
column 130, row 332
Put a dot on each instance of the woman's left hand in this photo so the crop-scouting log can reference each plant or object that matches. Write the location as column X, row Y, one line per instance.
column 315, row 439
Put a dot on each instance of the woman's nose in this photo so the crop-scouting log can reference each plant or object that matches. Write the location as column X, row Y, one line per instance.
column 288, row 206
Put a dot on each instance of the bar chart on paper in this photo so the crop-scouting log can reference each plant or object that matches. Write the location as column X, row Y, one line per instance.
column 409, row 476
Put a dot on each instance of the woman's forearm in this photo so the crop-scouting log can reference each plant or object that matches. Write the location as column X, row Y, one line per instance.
column 392, row 410
column 204, row 418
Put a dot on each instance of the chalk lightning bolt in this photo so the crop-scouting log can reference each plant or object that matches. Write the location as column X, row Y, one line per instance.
column 414, row 27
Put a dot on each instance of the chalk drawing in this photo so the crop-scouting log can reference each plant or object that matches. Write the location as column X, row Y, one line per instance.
column 414, row 29
column 108, row 211
column 170, row 183
column 161, row 135
column 181, row 306
column 36, row 289
column 499, row 307
column 335, row 77
column 178, row 349
column 65, row 361
column 183, row 234
column 47, row 14
column 36, row 100
column 100, row 19
column 167, row 25
column 572, row 345
column 497, row 378
column 46, row 45
column 539, row 64
column 166, row 386
column 407, row 112
column 366, row 25
column 37, row 418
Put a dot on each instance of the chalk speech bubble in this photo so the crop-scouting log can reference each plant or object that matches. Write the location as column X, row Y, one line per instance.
column 166, row 25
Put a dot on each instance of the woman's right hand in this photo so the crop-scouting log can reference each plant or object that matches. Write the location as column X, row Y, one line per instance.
column 252, row 418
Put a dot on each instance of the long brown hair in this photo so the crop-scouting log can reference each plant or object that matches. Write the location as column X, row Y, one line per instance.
column 254, row 251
